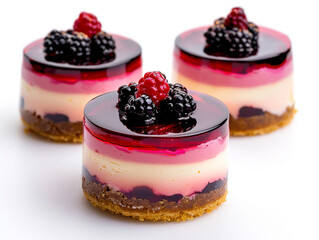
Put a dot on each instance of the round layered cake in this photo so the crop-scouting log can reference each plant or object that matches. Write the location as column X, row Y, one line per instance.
column 247, row 67
column 159, row 172
column 59, row 76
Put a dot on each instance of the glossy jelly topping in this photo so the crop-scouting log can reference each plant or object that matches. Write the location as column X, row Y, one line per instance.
column 274, row 50
column 209, row 121
column 127, row 59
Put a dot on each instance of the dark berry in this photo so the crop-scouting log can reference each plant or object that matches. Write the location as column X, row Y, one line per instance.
column 88, row 24
column 176, row 87
column 233, row 36
column 125, row 93
column 140, row 111
column 236, row 18
column 103, row 46
column 55, row 45
column 178, row 105
column 154, row 85
column 79, row 49
column 241, row 42
column 217, row 36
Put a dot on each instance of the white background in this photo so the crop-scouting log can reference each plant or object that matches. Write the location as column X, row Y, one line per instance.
column 273, row 179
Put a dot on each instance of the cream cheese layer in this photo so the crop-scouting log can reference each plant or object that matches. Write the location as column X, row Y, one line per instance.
column 273, row 97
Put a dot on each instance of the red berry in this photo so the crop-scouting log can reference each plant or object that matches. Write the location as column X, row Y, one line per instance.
column 154, row 85
column 88, row 24
column 236, row 18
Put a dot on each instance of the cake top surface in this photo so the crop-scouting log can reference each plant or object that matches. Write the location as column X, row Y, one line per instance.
column 126, row 51
column 102, row 116
column 272, row 44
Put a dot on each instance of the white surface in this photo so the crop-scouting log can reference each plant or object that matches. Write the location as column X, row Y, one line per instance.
column 273, row 179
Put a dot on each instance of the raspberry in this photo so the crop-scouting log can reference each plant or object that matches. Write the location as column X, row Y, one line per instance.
column 88, row 24
column 154, row 85
column 236, row 18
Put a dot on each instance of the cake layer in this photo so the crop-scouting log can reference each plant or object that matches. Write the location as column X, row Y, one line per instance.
column 205, row 74
column 273, row 97
column 142, row 209
column 182, row 155
column 211, row 122
column 49, row 82
column 44, row 102
column 163, row 179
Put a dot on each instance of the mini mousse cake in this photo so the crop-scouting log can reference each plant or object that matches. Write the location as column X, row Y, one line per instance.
column 154, row 151
column 247, row 67
column 66, row 69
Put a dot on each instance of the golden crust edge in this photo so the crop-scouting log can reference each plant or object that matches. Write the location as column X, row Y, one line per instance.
column 54, row 138
column 265, row 130
column 162, row 216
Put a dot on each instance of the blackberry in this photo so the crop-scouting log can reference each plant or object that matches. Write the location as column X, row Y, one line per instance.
column 140, row 111
column 79, row 47
column 178, row 105
column 103, row 46
column 126, row 92
column 217, row 36
column 55, row 45
column 241, row 42
column 176, row 87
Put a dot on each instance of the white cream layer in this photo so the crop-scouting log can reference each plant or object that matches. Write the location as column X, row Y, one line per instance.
column 273, row 97
column 163, row 179
column 43, row 101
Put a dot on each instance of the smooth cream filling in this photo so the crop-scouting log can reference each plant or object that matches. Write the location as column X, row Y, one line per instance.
column 43, row 101
column 165, row 179
column 273, row 97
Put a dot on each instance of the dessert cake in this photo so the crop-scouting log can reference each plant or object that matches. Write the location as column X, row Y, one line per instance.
column 154, row 151
column 66, row 69
column 247, row 67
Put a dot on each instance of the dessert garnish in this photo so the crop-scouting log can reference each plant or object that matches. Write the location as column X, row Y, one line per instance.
column 233, row 36
column 154, row 101
column 85, row 44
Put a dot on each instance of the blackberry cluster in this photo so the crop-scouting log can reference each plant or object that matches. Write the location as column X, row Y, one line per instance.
column 178, row 105
column 103, row 46
column 216, row 36
column 125, row 93
column 79, row 50
column 70, row 46
column 55, row 45
column 140, row 111
column 233, row 36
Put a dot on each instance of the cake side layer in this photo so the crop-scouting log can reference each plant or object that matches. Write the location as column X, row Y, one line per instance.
column 55, row 131
column 49, row 102
column 213, row 76
column 273, row 98
column 163, row 179
column 262, row 124
column 142, row 209
column 182, row 155
column 47, row 81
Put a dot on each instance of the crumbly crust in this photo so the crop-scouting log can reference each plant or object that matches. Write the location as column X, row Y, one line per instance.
column 187, row 208
column 58, row 132
column 261, row 124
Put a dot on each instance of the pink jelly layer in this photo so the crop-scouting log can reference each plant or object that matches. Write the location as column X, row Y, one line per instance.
column 98, row 85
column 198, row 153
column 257, row 77
column 221, row 71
